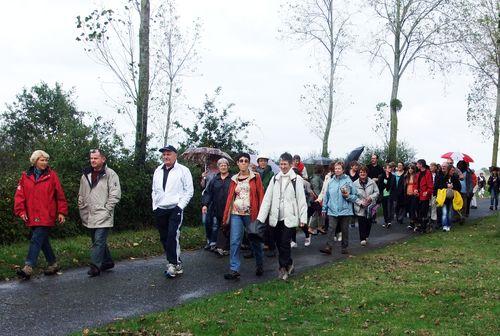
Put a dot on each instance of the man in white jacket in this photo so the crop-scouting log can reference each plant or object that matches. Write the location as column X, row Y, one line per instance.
column 172, row 191
column 285, row 204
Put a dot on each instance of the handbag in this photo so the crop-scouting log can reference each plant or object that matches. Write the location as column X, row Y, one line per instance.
column 256, row 230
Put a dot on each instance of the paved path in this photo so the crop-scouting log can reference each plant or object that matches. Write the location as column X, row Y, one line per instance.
column 72, row 301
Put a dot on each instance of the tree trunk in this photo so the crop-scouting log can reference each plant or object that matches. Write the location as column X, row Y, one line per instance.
column 494, row 157
column 328, row 126
column 143, row 89
column 169, row 113
column 393, row 139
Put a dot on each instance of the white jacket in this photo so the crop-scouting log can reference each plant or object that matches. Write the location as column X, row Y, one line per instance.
column 178, row 190
column 295, row 206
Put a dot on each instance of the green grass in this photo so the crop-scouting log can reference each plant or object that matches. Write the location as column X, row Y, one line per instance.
column 75, row 251
column 438, row 284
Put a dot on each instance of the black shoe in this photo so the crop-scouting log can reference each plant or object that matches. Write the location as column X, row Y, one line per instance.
column 233, row 275
column 248, row 256
column 207, row 247
column 259, row 271
column 491, row 207
column 93, row 271
column 326, row 250
column 107, row 265
column 344, row 251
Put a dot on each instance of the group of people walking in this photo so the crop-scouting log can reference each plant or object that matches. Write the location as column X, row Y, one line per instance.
column 254, row 208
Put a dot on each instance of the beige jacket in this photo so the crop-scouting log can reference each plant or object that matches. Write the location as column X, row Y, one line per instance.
column 97, row 204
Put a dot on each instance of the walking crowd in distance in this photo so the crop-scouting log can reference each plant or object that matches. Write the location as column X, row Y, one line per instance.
column 257, row 210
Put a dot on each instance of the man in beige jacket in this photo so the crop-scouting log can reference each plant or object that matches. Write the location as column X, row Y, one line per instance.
column 98, row 195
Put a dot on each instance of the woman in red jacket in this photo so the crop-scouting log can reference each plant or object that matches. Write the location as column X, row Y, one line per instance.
column 39, row 202
column 424, row 191
column 242, row 207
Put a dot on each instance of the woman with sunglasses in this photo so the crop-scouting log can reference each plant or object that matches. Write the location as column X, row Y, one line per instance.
column 242, row 207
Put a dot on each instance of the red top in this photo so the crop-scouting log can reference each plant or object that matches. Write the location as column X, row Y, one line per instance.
column 425, row 186
column 40, row 200
column 256, row 197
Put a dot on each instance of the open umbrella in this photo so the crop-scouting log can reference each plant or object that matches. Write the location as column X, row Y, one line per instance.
column 201, row 155
column 354, row 155
column 275, row 168
column 320, row 161
column 457, row 156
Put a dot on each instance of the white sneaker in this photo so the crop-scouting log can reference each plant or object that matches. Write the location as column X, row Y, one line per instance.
column 170, row 272
column 339, row 236
column 283, row 274
column 291, row 268
column 178, row 269
column 363, row 243
column 293, row 244
column 307, row 241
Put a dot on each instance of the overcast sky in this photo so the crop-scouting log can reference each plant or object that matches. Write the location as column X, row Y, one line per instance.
column 262, row 74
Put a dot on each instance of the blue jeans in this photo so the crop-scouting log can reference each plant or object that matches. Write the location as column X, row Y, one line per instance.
column 238, row 224
column 212, row 229
column 446, row 214
column 40, row 241
column 100, row 251
column 494, row 198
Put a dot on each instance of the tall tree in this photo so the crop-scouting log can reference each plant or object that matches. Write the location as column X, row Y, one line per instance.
column 478, row 37
column 216, row 127
column 141, row 134
column 412, row 30
column 112, row 39
column 178, row 52
column 323, row 24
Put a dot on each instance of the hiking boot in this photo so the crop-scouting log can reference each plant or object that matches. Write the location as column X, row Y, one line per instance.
column 282, row 274
column 170, row 272
column 307, row 241
column 259, row 271
column 51, row 269
column 93, row 271
column 290, row 268
column 233, row 275
column 25, row 272
column 107, row 265
column 326, row 250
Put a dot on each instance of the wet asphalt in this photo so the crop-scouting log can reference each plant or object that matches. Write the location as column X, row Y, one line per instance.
column 72, row 301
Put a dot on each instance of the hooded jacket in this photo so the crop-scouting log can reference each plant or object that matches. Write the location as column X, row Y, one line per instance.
column 294, row 201
column 370, row 189
column 334, row 204
column 40, row 200
column 97, row 202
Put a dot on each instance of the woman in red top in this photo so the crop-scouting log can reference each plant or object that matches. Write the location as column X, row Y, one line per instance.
column 410, row 197
column 39, row 202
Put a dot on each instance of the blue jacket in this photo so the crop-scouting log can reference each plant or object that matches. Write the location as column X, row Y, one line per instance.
column 334, row 204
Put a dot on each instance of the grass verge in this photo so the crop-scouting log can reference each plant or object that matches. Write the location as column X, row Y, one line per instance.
column 438, row 284
column 74, row 252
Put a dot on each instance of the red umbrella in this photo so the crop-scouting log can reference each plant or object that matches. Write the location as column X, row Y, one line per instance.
column 457, row 156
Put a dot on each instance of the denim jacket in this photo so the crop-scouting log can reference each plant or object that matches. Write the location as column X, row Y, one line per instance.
column 334, row 204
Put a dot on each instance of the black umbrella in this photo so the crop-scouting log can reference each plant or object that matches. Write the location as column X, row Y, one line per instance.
column 354, row 155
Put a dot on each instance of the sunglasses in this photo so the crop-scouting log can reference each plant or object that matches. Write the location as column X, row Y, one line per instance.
column 243, row 160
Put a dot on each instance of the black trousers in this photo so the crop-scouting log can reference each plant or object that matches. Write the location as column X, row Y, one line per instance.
column 400, row 209
column 387, row 207
column 269, row 237
column 423, row 213
column 283, row 237
column 412, row 207
column 365, row 226
column 168, row 223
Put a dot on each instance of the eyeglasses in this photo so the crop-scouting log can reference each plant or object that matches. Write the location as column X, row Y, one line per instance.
column 243, row 160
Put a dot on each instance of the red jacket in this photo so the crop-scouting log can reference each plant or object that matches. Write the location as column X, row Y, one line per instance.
column 42, row 200
column 256, row 197
column 425, row 186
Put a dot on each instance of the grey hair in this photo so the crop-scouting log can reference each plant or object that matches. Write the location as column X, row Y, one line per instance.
column 38, row 154
column 221, row 161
